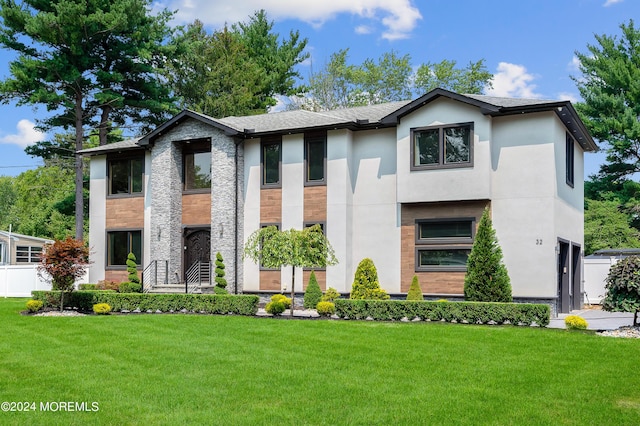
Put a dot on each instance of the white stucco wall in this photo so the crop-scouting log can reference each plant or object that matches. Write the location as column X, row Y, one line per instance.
column 447, row 184
column 251, row 272
column 97, row 217
column 146, row 234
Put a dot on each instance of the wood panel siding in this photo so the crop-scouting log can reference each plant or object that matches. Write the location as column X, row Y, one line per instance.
column 271, row 205
column 117, row 275
column 315, row 203
column 432, row 282
column 124, row 213
column 196, row 209
column 270, row 280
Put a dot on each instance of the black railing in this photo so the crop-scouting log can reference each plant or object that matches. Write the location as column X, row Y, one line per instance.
column 155, row 273
column 197, row 274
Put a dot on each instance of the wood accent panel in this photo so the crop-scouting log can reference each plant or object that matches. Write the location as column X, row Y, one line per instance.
column 315, row 203
column 432, row 282
column 271, row 205
column 124, row 213
column 270, row 280
column 196, row 209
column 116, row 275
column 321, row 277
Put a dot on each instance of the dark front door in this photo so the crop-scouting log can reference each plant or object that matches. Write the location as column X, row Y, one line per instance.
column 564, row 285
column 576, row 277
column 197, row 247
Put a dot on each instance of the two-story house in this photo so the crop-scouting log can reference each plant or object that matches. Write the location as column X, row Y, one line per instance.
column 402, row 183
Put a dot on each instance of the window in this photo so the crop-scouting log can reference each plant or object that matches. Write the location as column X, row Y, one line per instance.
column 120, row 244
column 125, row 175
column 315, row 155
column 28, row 254
column 443, row 244
column 569, row 160
column 442, row 146
column 270, row 162
column 197, row 170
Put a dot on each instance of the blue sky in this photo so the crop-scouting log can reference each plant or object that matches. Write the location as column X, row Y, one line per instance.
column 528, row 45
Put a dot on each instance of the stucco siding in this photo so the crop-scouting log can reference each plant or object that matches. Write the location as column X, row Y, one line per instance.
column 252, row 211
column 97, row 217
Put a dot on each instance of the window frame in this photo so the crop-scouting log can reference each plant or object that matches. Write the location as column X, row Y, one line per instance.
column 569, row 160
column 441, row 164
column 315, row 137
column 442, row 243
column 32, row 256
column 129, row 231
column 128, row 158
column 192, row 147
column 272, row 140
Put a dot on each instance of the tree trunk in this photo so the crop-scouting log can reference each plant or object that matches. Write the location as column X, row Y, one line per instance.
column 293, row 291
column 103, row 128
column 78, row 168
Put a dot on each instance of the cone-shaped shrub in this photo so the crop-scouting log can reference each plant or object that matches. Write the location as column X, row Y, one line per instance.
column 365, row 284
column 415, row 292
column 487, row 279
column 132, row 269
column 313, row 293
column 221, row 282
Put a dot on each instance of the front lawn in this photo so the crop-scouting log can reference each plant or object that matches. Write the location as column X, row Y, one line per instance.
column 200, row 369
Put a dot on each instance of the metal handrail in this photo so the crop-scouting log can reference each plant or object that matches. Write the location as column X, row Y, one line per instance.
column 150, row 275
column 199, row 272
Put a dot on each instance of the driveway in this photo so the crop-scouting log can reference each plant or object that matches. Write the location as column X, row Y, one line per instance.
column 597, row 319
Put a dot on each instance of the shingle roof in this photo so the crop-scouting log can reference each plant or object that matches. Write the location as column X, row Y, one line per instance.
column 124, row 145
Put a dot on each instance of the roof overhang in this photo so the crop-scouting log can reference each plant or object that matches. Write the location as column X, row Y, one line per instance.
column 180, row 118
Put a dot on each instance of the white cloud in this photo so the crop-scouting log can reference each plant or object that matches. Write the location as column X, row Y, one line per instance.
column 399, row 17
column 27, row 135
column 574, row 65
column 513, row 81
column 363, row 29
column 611, row 2
column 568, row 96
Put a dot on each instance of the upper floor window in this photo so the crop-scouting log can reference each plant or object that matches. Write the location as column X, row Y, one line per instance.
column 442, row 146
column 196, row 165
column 270, row 162
column 569, row 160
column 315, row 155
column 28, row 254
column 125, row 175
column 443, row 244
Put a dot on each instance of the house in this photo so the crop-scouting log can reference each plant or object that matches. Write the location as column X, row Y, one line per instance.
column 403, row 183
column 596, row 270
column 18, row 249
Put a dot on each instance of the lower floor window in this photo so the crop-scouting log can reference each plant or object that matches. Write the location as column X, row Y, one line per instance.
column 444, row 244
column 120, row 244
column 443, row 257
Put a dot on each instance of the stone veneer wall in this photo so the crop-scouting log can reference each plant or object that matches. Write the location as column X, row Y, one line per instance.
column 166, row 199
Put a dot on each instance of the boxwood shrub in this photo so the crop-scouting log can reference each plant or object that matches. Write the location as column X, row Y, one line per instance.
column 205, row 303
column 461, row 312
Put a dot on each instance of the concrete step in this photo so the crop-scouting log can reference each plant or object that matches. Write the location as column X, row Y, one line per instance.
column 179, row 288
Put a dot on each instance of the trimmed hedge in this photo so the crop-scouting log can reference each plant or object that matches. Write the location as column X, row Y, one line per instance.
column 205, row 303
column 461, row 312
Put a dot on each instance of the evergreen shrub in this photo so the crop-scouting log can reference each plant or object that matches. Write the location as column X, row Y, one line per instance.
column 132, row 269
column 34, row 305
column 330, row 295
column 326, row 308
column 365, row 284
column 130, row 287
column 221, row 282
column 101, row 308
column 415, row 292
column 574, row 322
column 313, row 293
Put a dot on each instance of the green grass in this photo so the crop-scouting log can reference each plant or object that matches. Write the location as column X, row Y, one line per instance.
column 198, row 369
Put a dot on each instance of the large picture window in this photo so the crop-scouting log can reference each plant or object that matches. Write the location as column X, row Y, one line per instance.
column 125, row 175
column 270, row 161
column 28, row 254
column 443, row 244
column 315, row 155
column 442, row 146
column 197, row 170
column 120, row 244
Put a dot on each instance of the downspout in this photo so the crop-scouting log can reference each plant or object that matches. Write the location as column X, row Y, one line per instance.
column 235, row 243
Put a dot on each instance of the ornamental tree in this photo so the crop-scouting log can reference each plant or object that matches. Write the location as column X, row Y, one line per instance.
column 487, row 279
column 132, row 269
column 64, row 261
column 221, row 282
column 365, row 283
column 623, row 287
column 307, row 248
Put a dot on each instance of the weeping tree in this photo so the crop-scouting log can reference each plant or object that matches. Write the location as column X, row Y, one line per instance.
column 306, row 248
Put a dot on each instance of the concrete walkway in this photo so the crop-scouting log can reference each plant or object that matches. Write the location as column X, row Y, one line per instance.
column 597, row 319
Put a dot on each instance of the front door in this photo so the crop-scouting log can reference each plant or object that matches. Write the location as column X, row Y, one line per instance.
column 564, row 283
column 197, row 247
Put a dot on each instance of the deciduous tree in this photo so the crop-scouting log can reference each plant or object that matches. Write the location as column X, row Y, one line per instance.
column 64, row 261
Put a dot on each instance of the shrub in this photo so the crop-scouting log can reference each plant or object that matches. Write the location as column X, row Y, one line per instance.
column 486, row 279
column 65, row 261
column 623, row 287
column 326, row 308
column 574, row 322
column 88, row 287
column 132, row 269
column 107, row 285
column 221, row 282
column 34, row 305
column 101, row 308
column 313, row 293
column 286, row 301
column 365, row 284
column 130, row 287
column 415, row 292
column 275, row 307
column 219, row 290
column 330, row 295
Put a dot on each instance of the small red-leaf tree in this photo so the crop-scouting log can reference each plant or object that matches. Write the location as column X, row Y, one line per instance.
column 64, row 261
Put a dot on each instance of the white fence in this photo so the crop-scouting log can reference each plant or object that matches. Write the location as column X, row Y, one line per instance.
column 21, row 280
